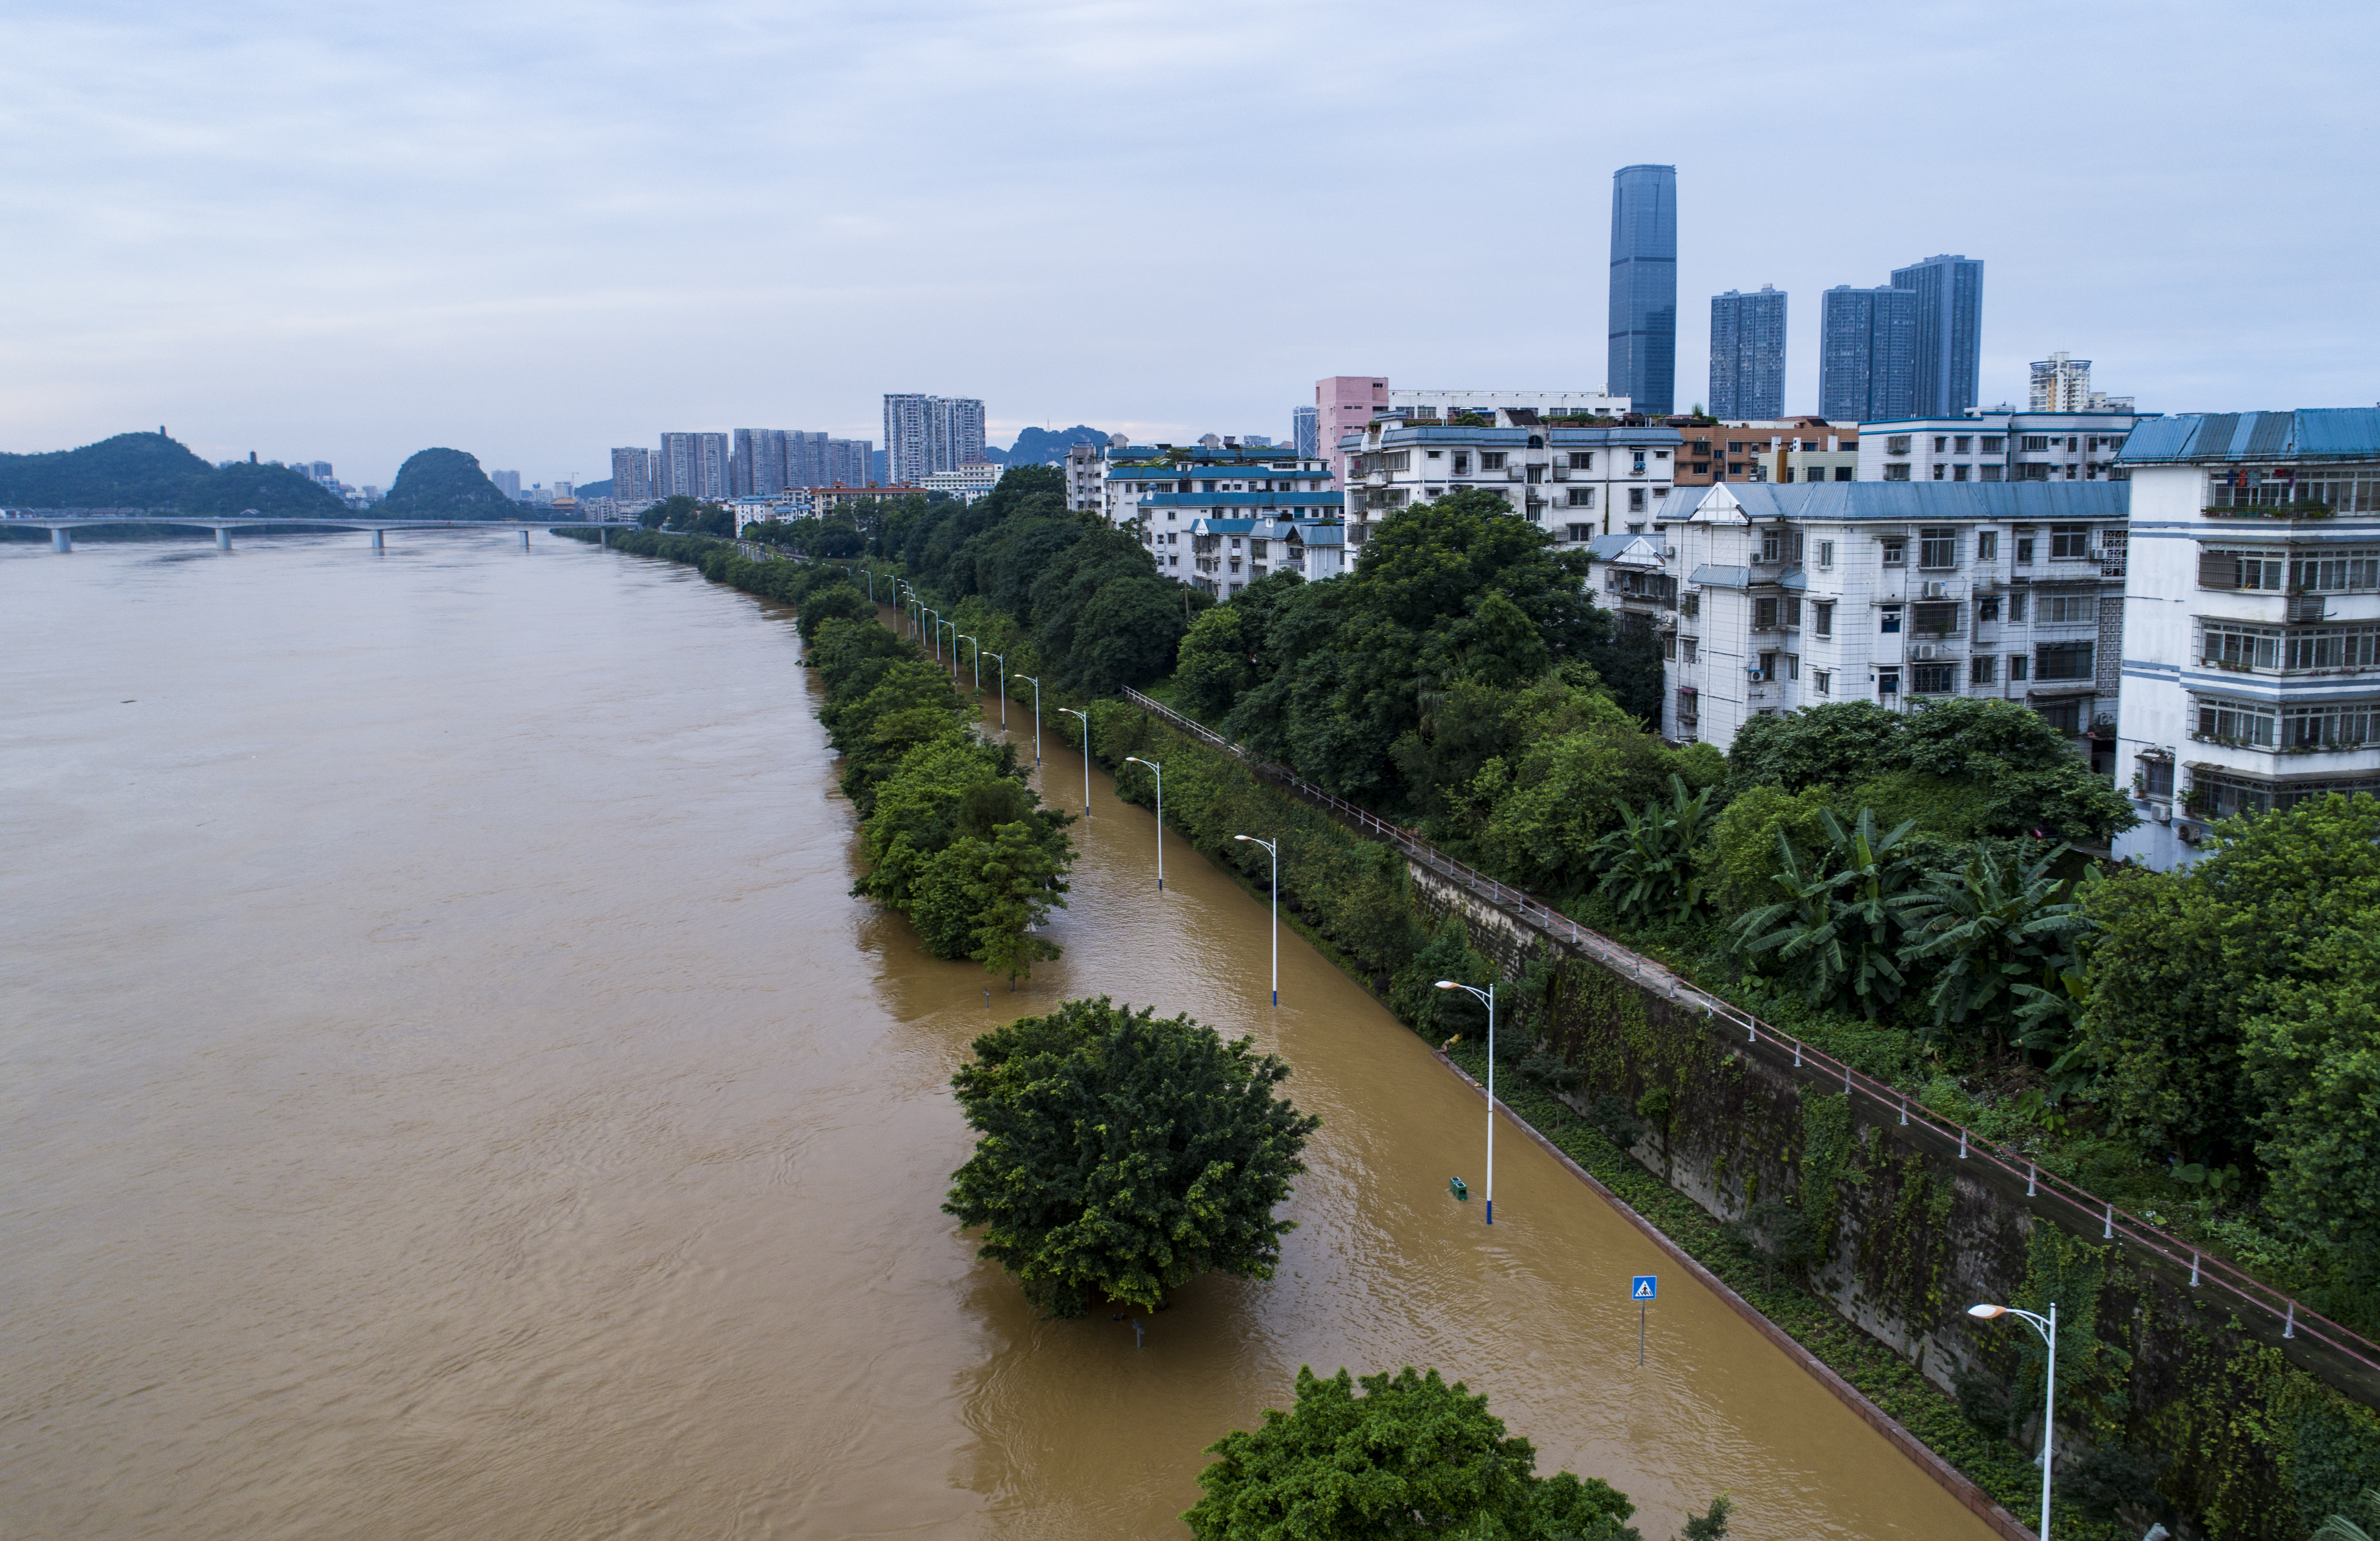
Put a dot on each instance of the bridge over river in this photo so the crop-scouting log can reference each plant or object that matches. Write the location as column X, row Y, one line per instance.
column 63, row 526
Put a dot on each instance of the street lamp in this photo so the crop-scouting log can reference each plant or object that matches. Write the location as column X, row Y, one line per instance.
column 1136, row 759
column 939, row 624
column 2047, row 1328
column 1487, row 995
column 1037, row 715
column 1086, row 756
column 1002, row 659
column 958, row 637
column 928, row 615
column 1275, row 849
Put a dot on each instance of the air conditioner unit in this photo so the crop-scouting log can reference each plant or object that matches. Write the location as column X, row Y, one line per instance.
column 1937, row 591
column 2161, row 812
column 1924, row 653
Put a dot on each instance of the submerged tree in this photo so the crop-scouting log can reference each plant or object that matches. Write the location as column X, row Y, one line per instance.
column 1119, row 1154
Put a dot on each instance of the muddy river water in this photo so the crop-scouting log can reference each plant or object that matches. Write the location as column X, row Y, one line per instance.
column 447, row 1089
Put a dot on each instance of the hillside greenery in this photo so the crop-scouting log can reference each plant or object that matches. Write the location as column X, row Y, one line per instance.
column 446, row 484
column 150, row 471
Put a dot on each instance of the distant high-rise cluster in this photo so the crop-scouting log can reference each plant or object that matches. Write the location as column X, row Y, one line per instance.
column 693, row 466
column 1913, row 349
column 927, row 435
column 2061, row 384
column 1747, row 354
column 632, row 473
column 507, row 483
column 1949, row 342
column 1644, row 324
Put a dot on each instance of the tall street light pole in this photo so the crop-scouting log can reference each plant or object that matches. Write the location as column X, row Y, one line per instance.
column 1086, row 756
column 955, row 643
column 2047, row 1328
column 1487, row 995
column 958, row 637
column 1002, row 659
column 1136, row 759
column 1037, row 715
column 1275, row 849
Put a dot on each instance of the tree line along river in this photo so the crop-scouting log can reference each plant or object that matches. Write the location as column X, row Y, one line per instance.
column 450, row 1091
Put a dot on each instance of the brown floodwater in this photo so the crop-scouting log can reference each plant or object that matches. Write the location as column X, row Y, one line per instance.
column 449, row 1091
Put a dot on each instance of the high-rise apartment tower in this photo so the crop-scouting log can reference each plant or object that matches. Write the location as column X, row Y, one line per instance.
column 1644, row 317
column 1747, row 354
column 632, row 473
column 1868, row 355
column 1948, row 348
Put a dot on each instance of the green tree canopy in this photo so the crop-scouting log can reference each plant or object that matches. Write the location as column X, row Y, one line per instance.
column 445, row 484
column 150, row 471
column 1411, row 1456
column 1120, row 1154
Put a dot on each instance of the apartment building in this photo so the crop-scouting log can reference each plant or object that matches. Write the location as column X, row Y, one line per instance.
column 1995, row 443
column 2252, row 622
column 1226, row 554
column 1772, row 597
column 2062, row 383
column 1577, row 482
column 632, row 474
column 1157, row 487
column 694, row 465
column 1345, row 404
column 1776, row 449
column 1747, row 354
column 967, row 482
column 1306, row 432
column 1087, row 469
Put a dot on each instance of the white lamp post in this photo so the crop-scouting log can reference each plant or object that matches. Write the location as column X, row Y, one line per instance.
column 1275, row 849
column 1487, row 995
column 1086, row 756
column 2047, row 1328
column 958, row 637
column 1136, row 759
column 1002, row 659
column 1037, row 715
column 932, row 618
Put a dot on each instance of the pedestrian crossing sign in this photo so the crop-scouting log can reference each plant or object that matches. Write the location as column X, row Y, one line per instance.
column 1646, row 1286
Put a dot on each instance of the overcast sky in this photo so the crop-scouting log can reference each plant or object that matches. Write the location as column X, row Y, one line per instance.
column 535, row 230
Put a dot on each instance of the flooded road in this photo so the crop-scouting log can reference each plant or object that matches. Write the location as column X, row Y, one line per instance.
column 449, row 1091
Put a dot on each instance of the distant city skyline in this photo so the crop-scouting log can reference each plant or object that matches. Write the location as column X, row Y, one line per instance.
column 503, row 230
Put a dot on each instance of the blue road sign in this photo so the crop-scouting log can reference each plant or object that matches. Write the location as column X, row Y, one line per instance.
column 1646, row 1286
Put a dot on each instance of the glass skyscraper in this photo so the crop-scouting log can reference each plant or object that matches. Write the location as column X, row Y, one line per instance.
column 1747, row 354
column 1644, row 324
column 1306, row 432
column 1868, row 355
column 1948, row 366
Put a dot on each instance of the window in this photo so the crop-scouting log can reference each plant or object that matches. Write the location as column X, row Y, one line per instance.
column 1959, row 445
column 1896, row 550
column 1792, row 666
column 1959, row 472
column 1640, row 463
column 1768, row 666
column 1635, row 500
column 1735, row 446
column 1686, row 705
column 1940, row 442
column 2024, row 550
column 1989, row 608
column 1995, row 445
column 1937, row 547
column 1491, row 460
column 2351, row 647
column 1462, row 463
column 1772, row 544
column 2332, row 725
column 1935, row 619
column 1982, row 671
column 2156, row 775
column 2068, row 542
column 1669, row 648
column 2017, row 603
column 1991, row 473
column 2017, row 662
column 1434, row 454
column 1821, row 682
column 2241, row 569
column 1688, row 643
column 1896, row 473
column 2064, row 661
column 1939, row 469
column 1895, row 443
column 1987, row 545
column 1793, row 612
column 1582, row 462
column 1822, row 612
column 1826, row 554
column 1843, row 473
column 2065, row 715
column 2251, row 724
column 1891, row 620
column 2036, row 443
column 1582, row 533
column 1582, row 497
column 1764, row 614
column 2069, row 610
column 2335, row 572
column 1888, row 682
column 1537, row 474
column 1933, row 679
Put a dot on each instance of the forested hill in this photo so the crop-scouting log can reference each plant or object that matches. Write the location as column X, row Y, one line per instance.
column 150, row 471
column 446, row 484
column 1041, row 446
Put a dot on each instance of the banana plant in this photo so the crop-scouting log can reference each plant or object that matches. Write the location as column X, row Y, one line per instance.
column 1648, row 863
column 1842, row 927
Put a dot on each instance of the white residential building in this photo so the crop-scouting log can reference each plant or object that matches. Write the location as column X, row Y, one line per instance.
column 1227, row 554
column 1995, row 443
column 1597, row 402
column 2062, row 383
column 1086, row 467
column 1159, row 488
column 1770, row 597
column 2252, row 622
column 1574, row 481
column 968, row 482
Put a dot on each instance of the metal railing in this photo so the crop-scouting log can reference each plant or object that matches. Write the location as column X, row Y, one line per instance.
column 2337, row 1354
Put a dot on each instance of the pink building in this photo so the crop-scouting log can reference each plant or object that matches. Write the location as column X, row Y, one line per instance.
column 1345, row 403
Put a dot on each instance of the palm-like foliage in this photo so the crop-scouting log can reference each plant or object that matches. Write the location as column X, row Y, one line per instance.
column 2360, row 1525
column 1648, row 863
column 1841, row 929
column 1989, row 930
